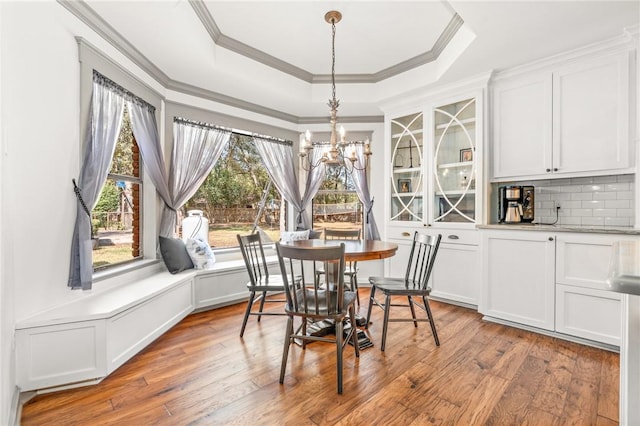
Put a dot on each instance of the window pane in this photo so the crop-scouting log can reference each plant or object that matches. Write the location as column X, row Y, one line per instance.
column 113, row 222
column 336, row 205
column 116, row 219
column 231, row 195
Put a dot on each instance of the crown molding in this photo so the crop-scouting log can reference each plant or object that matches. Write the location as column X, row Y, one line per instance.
column 247, row 51
column 343, row 119
column 243, row 49
column 86, row 14
column 210, row 95
column 613, row 45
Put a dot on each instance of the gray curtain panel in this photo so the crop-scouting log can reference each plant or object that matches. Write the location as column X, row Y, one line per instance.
column 105, row 121
column 315, row 177
column 362, row 189
column 145, row 130
column 196, row 149
column 278, row 159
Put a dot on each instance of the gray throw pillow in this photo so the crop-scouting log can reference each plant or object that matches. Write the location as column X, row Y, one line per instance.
column 175, row 255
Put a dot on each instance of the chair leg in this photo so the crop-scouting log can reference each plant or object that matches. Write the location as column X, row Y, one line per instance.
column 371, row 299
column 339, row 336
column 385, row 324
column 354, row 334
column 354, row 287
column 264, row 295
column 285, row 351
column 431, row 320
column 413, row 311
column 252, row 295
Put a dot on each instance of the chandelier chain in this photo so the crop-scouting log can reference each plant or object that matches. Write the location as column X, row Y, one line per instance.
column 333, row 61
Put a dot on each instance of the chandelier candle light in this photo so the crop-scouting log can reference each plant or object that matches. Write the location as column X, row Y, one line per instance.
column 335, row 156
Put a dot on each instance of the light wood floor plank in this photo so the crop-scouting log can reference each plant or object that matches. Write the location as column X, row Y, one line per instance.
column 201, row 373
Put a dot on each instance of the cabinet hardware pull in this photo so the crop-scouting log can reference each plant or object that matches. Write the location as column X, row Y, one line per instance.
column 550, row 238
column 453, row 237
column 548, row 170
column 406, row 234
column 555, row 169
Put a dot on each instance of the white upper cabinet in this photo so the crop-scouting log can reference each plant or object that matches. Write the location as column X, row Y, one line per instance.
column 570, row 121
column 522, row 126
column 591, row 116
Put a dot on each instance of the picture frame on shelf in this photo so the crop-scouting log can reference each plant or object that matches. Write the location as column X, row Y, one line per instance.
column 404, row 185
column 466, row 155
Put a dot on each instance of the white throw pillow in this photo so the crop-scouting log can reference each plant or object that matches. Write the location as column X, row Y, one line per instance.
column 200, row 253
column 294, row 235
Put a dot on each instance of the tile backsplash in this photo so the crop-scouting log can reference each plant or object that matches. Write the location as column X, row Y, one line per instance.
column 588, row 201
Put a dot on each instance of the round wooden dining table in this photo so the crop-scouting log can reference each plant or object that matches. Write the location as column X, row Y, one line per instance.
column 354, row 250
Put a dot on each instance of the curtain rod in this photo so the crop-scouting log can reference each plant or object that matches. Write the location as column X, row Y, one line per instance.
column 107, row 82
column 201, row 124
column 236, row 131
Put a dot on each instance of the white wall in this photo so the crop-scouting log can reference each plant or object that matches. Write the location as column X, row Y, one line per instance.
column 6, row 311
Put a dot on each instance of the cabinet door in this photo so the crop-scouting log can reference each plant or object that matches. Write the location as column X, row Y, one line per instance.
column 456, row 273
column 406, row 174
column 583, row 259
column 591, row 115
column 454, row 162
column 518, row 281
column 587, row 313
column 522, row 127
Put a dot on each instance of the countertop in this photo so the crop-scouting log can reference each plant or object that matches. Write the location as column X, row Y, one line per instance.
column 562, row 228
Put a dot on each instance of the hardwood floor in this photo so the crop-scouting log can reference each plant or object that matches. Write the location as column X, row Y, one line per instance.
column 201, row 373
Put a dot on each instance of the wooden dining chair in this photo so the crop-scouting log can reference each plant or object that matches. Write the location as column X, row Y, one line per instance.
column 261, row 282
column 315, row 302
column 351, row 268
column 415, row 284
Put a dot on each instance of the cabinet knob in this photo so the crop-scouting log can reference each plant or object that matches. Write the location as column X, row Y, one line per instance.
column 406, row 234
column 550, row 238
column 548, row 170
column 453, row 237
column 555, row 169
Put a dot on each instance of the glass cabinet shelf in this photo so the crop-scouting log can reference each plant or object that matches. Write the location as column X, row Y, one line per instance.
column 407, row 171
column 453, row 165
column 459, row 124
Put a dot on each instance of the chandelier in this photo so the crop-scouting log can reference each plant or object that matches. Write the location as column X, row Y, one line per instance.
column 336, row 155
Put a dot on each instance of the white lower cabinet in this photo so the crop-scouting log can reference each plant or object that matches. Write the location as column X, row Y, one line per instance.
column 456, row 274
column 518, row 274
column 554, row 281
column 588, row 313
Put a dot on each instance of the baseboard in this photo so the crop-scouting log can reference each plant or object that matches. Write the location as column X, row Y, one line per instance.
column 586, row 342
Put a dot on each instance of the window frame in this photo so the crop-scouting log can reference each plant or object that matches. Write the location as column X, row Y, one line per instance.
column 90, row 59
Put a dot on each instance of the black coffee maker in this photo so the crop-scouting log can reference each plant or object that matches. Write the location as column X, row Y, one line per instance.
column 516, row 204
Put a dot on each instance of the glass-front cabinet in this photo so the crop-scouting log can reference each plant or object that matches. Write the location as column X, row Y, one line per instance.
column 407, row 177
column 454, row 162
column 435, row 163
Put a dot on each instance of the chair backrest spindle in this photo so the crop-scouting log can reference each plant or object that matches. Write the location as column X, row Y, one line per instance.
column 421, row 260
column 254, row 258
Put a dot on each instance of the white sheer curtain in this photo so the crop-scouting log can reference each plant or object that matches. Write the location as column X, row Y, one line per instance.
column 105, row 121
column 196, row 149
column 362, row 189
column 145, row 130
column 315, row 176
column 278, row 159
